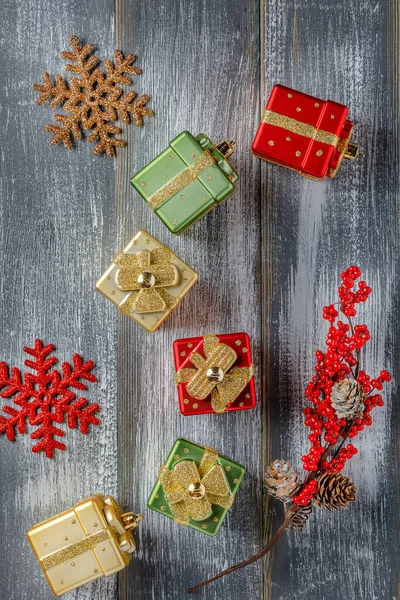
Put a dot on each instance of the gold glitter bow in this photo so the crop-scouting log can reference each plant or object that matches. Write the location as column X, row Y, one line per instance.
column 191, row 491
column 182, row 180
column 146, row 274
column 213, row 374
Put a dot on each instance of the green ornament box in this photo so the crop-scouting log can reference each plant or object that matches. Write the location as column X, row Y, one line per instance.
column 185, row 450
column 190, row 178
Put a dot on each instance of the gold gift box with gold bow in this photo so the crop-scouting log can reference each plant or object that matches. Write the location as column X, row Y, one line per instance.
column 196, row 486
column 92, row 539
column 146, row 281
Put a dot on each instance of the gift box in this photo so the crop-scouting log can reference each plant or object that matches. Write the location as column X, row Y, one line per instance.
column 187, row 180
column 214, row 374
column 304, row 133
column 146, row 281
column 92, row 539
column 196, row 487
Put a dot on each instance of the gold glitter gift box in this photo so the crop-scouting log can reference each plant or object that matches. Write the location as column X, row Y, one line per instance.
column 146, row 281
column 92, row 539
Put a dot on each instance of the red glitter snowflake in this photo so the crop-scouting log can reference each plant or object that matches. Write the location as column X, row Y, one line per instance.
column 46, row 398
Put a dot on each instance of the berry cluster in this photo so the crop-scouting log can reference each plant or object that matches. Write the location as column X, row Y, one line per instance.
column 307, row 493
column 348, row 297
column 338, row 361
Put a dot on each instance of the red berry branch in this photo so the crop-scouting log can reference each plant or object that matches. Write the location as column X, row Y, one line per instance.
column 342, row 398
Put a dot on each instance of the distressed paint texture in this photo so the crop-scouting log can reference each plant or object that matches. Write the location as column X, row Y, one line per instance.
column 268, row 260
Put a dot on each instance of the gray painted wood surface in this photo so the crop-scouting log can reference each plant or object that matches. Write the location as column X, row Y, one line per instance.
column 268, row 261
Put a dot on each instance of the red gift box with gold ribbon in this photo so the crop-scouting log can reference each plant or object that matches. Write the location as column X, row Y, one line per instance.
column 214, row 373
column 304, row 133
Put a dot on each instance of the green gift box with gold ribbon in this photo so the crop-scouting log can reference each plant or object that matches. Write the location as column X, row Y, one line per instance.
column 196, row 486
column 187, row 180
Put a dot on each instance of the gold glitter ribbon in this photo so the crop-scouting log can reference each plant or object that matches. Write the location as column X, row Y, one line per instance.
column 77, row 548
column 182, row 180
column 155, row 263
column 271, row 117
column 223, row 357
column 210, row 481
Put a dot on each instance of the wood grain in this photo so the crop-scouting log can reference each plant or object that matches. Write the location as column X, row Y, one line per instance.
column 268, row 260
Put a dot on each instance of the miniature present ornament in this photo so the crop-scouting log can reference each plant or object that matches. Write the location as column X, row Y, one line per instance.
column 214, row 374
column 190, row 178
column 92, row 539
column 146, row 281
column 196, row 487
column 304, row 133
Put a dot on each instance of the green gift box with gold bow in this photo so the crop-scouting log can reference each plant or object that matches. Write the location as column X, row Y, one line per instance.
column 196, row 486
column 187, row 180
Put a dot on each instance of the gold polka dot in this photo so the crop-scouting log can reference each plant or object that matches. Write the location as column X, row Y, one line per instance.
column 156, row 318
column 190, row 345
column 209, row 177
column 271, row 143
column 185, row 279
column 165, row 175
column 289, row 95
column 238, row 343
column 147, row 241
column 109, row 277
column 142, row 183
column 176, row 456
column 247, row 395
column 143, row 318
column 298, row 109
column 332, row 116
column 298, row 153
column 186, row 450
column 62, row 582
column 96, row 571
column 319, row 153
column 72, row 564
column 157, row 495
column 182, row 197
column 112, row 292
column 174, row 222
column 183, row 353
column 103, row 549
column 163, row 507
column 195, row 405
column 45, row 544
column 215, row 519
column 316, row 104
column 186, row 401
column 204, row 197
column 192, row 156
column 241, row 403
column 228, row 468
column 66, row 538
column 95, row 524
column 288, row 139
column 244, row 350
column 204, row 526
column 135, row 243
column 236, row 480
column 171, row 156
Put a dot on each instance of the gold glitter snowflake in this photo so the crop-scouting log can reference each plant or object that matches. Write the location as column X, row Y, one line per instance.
column 93, row 100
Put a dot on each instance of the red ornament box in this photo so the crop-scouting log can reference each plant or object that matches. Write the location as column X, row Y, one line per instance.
column 304, row 133
column 189, row 351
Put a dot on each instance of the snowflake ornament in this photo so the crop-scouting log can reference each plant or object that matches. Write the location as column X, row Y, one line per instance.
column 93, row 99
column 46, row 398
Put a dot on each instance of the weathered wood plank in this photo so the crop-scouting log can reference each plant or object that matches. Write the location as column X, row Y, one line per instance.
column 347, row 52
column 57, row 223
column 201, row 66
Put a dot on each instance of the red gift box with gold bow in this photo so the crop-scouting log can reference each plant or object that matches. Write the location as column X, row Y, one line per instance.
column 304, row 133
column 214, row 374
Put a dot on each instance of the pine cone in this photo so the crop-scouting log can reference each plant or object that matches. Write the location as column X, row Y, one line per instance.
column 347, row 398
column 335, row 490
column 281, row 480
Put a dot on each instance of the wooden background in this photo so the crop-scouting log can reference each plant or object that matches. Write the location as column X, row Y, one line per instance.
column 268, row 261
